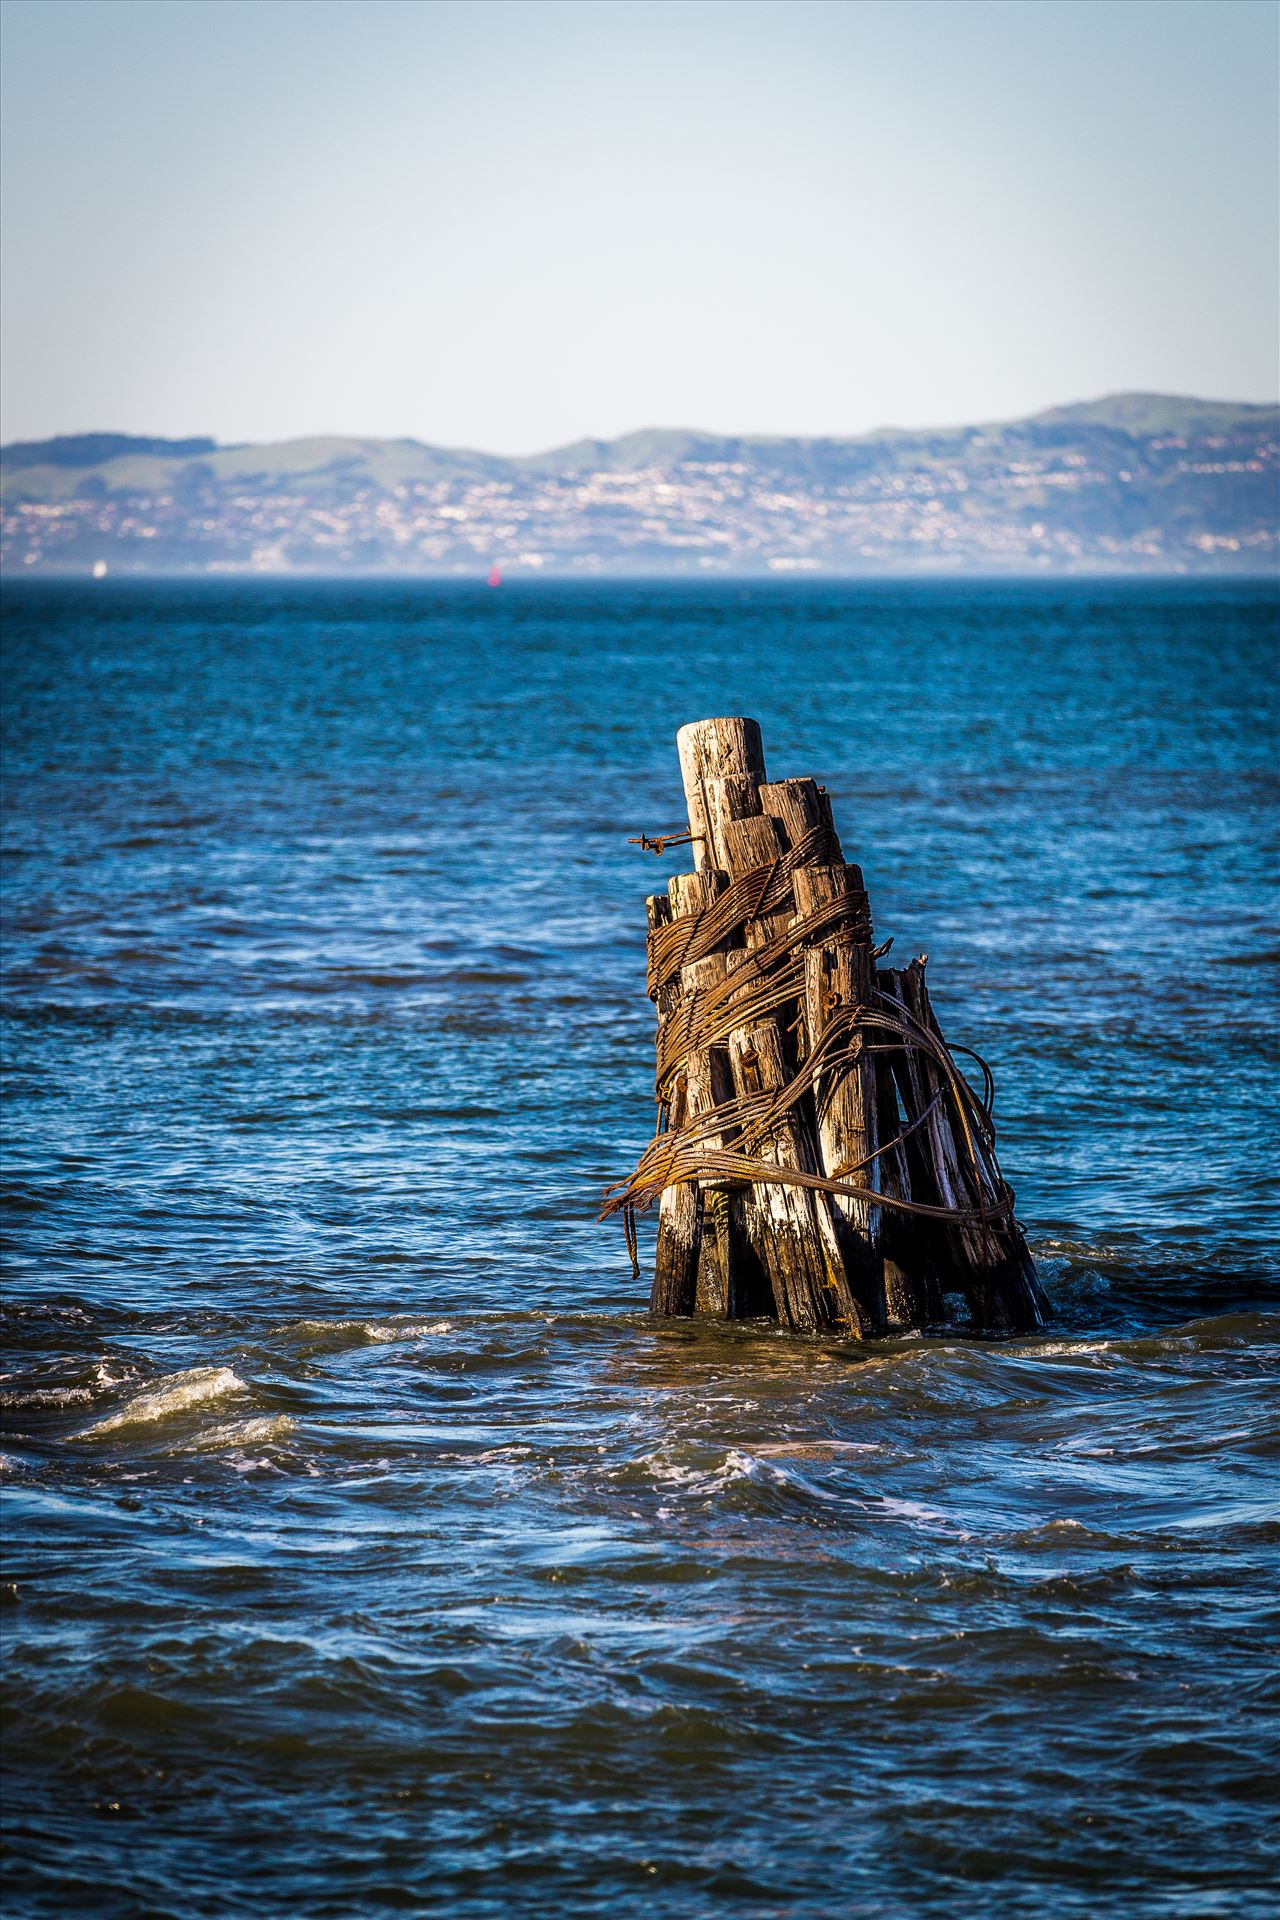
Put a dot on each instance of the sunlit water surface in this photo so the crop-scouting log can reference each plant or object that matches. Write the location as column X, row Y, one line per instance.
column 369, row 1548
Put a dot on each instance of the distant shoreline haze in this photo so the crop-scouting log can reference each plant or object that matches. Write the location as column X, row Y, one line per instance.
column 1143, row 483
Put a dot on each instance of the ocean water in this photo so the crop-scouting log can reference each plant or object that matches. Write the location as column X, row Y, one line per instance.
column 368, row 1548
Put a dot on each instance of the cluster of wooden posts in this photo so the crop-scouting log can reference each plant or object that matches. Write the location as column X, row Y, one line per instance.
column 820, row 1158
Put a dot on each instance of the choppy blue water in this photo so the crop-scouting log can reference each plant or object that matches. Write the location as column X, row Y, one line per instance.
column 368, row 1548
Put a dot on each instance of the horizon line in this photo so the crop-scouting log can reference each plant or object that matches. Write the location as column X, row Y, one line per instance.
column 605, row 576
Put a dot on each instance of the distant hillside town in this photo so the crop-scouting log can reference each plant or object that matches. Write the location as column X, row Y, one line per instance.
column 1135, row 483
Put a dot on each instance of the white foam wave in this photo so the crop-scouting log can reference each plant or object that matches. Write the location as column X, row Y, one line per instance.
column 173, row 1394
column 1061, row 1349
column 341, row 1333
column 416, row 1330
column 107, row 1379
column 18, row 1398
column 672, row 1473
column 1077, row 1250
column 245, row 1433
column 737, row 1466
column 46, row 1397
column 921, row 1515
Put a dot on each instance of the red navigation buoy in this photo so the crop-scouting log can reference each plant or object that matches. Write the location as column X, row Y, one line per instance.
column 495, row 575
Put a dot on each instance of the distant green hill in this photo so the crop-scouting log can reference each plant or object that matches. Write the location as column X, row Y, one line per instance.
column 1148, row 415
column 324, row 464
column 1142, row 415
column 1152, row 481
column 92, row 449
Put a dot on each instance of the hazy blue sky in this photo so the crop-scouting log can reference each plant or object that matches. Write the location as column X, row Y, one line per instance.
column 509, row 223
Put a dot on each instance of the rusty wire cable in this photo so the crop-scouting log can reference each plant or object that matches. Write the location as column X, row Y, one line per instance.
column 766, row 979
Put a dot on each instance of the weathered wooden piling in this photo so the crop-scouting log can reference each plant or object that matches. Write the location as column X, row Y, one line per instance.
column 820, row 1157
